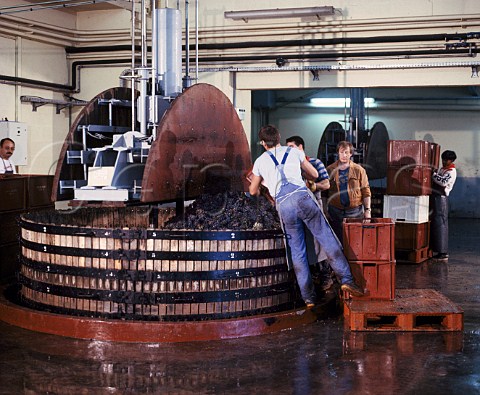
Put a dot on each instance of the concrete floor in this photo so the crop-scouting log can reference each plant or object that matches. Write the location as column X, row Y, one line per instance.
column 321, row 358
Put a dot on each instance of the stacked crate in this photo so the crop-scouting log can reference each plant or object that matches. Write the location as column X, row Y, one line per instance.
column 20, row 194
column 409, row 181
column 369, row 248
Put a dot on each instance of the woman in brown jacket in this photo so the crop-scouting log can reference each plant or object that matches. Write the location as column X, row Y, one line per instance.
column 349, row 193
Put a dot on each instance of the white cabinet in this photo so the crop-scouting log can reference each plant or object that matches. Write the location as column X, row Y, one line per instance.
column 17, row 131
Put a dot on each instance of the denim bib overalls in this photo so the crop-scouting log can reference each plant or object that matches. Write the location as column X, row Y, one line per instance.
column 297, row 207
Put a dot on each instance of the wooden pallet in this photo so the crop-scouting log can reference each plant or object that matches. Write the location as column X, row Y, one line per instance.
column 411, row 310
column 413, row 256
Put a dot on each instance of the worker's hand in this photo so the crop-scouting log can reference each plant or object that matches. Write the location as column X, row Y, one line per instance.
column 311, row 185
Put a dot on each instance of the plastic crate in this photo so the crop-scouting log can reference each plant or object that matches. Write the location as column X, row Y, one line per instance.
column 375, row 277
column 369, row 239
column 409, row 209
column 412, row 236
column 409, row 180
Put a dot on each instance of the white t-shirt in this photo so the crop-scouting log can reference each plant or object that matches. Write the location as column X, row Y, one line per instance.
column 6, row 165
column 265, row 167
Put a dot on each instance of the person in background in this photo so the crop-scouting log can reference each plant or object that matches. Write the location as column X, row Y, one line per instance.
column 349, row 194
column 321, row 270
column 443, row 181
column 7, row 147
column 281, row 169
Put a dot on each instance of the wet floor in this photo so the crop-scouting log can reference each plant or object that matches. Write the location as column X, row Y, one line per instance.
column 320, row 358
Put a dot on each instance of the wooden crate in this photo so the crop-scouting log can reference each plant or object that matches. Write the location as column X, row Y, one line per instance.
column 9, row 261
column 13, row 193
column 10, row 230
column 377, row 279
column 39, row 190
column 411, row 310
column 370, row 240
column 413, row 256
column 412, row 236
column 409, row 180
column 409, row 152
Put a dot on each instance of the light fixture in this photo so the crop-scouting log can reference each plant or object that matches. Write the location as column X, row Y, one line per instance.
column 280, row 13
column 339, row 102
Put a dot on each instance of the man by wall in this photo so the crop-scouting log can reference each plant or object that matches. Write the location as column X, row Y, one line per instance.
column 7, row 148
column 443, row 181
column 349, row 194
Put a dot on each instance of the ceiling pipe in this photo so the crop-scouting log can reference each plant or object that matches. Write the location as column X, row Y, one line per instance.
column 17, row 21
column 445, row 38
column 345, row 41
column 45, row 5
column 55, row 38
column 409, row 23
column 340, row 67
column 70, row 88
column 78, row 36
column 341, row 55
column 119, row 62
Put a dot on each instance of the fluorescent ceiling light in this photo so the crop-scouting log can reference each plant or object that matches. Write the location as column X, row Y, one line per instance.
column 280, row 13
column 338, row 102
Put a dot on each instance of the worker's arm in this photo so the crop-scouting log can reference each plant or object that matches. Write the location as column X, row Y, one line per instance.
column 309, row 171
column 255, row 183
column 322, row 185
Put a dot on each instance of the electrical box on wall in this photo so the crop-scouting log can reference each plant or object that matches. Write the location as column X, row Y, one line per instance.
column 17, row 131
column 241, row 113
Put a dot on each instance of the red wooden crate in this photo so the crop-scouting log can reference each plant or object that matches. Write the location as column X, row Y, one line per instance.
column 369, row 240
column 409, row 180
column 376, row 278
column 409, row 152
column 413, row 256
column 434, row 155
column 412, row 236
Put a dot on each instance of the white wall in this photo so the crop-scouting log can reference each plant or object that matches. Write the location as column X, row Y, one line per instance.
column 42, row 62
column 7, row 67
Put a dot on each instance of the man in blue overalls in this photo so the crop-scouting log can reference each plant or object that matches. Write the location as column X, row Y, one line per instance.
column 280, row 168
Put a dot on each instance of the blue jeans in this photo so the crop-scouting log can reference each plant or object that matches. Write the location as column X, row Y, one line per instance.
column 337, row 215
column 297, row 209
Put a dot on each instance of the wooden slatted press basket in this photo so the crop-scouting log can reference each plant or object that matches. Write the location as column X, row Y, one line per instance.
column 121, row 264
